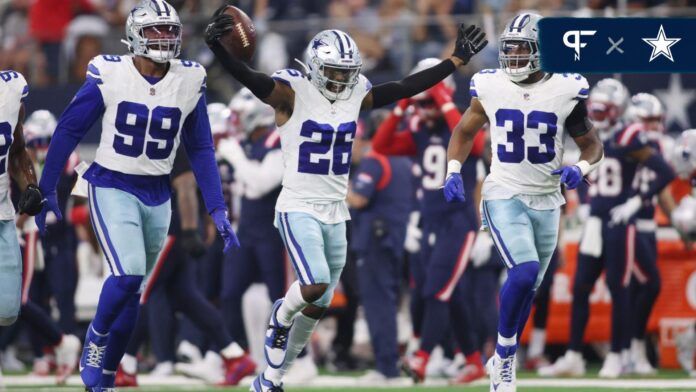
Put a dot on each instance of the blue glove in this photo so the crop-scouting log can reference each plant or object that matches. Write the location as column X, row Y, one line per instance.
column 454, row 188
column 50, row 204
column 225, row 228
column 571, row 176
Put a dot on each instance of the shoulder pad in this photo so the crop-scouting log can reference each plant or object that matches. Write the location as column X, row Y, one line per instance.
column 364, row 81
column 100, row 65
column 16, row 81
column 478, row 81
column 287, row 76
column 578, row 86
column 192, row 70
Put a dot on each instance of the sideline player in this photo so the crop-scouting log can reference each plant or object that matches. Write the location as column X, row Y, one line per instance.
column 529, row 112
column 148, row 101
column 316, row 115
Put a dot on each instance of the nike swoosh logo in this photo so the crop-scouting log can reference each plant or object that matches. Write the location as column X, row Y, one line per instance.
column 495, row 387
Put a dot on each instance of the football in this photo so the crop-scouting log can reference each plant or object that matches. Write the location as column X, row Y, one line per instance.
column 241, row 40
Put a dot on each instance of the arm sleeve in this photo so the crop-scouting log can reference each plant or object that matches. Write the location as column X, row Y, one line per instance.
column 664, row 172
column 577, row 123
column 198, row 142
column 388, row 141
column 260, row 178
column 368, row 176
column 390, row 92
column 82, row 112
column 260, row 84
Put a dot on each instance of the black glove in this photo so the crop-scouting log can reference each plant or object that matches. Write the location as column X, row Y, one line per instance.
column 31, row 201
column 470, row 40
column 217, row 26
column 192, row 243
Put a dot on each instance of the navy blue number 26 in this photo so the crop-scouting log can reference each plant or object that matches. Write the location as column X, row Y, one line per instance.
column 515, row 136
column 342, row 145
column 6, row 135
column 131, row 123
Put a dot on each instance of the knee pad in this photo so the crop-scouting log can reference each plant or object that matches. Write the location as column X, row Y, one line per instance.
column 129, row 283
column 7, row 321
column 524, row 275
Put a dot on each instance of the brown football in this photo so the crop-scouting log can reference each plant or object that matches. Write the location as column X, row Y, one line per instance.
column 241, row 40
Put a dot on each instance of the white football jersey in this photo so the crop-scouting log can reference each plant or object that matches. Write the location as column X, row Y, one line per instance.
column 316, row 143
column 13, row 90
column 527, row 126
column 142, row 123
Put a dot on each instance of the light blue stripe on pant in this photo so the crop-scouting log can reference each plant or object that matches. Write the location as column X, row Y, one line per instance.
column 10, row 273
column 522, row 234
column 130, row 233
column 317, row 250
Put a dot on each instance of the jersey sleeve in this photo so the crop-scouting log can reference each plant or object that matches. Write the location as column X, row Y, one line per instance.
column 480, row 82
column 579, row 88
column 364, row 85
column 368, row 176
column 17, row 83
column 290, row 77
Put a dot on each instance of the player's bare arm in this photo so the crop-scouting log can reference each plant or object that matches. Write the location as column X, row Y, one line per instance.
column 470, row 40
column 591, row 148
column 187, row 199
column 21, row 169
column 473, row 119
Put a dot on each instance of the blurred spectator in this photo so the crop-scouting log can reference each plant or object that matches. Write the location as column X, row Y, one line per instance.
column 83, row 42
column 362, row 22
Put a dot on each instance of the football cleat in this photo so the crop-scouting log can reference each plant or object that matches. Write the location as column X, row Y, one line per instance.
column 125, row 379
column 470, row 373
column 502, row 373
column 416, row 365
column 639, row 359
column 238, row 368
column 536, row 363
column 92, row 358
column 612, row 367
column 67, row 354
column 277, row 335
column 302, row 371
column 210, row 369
column 686, row 348
column 260, row 384
column 571, row 364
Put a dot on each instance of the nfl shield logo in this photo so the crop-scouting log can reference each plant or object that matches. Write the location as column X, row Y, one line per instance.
column 152, row 91
column 526, row 96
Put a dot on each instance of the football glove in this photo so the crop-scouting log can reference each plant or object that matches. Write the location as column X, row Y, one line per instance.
column 470, row 40
column 454, row 188
column 50, row 203
column 224, row 227
column 622, row 213
column 31, row 201
column 571, row 176
column 218, row 26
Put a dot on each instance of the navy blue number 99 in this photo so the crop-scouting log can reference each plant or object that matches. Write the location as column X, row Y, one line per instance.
column 6, row 140
column 516, row 136
column 342, row 147
column 132, row 126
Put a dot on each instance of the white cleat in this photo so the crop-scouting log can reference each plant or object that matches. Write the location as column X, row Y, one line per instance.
column 502, row 373
column 612, row 366
column 67, row 355
column 210, row 369
column 302, row 371
column 163, row 369
column 188, row 352
column 686, row 348
column 10, row 362
column 569, row 365
column 639, row 360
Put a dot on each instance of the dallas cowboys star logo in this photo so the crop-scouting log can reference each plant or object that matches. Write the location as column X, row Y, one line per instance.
column 661, row 45
column 317, row 43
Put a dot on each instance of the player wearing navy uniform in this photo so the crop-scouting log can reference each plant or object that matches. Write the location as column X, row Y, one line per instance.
column 149, row 101
column 381, row 204
column 529, row 112
column 613, row 204
column 448, row 230
column 317, row 114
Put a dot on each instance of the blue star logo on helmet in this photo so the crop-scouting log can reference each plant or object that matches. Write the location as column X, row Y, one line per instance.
column 317, row 43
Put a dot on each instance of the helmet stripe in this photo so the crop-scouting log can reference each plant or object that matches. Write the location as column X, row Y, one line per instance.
column 340, row 43
column 347, row 38
column 166, row 8
column 512, row 24
column 157, row 7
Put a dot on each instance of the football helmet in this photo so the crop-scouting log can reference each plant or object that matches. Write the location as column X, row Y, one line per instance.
column 683, row 157
column 153, row 17
column 684, row 217
column 647, row 109
column 249, row 113
column 521, row 34
column 429, row 63
column 38, row 129
column 219, row 117
column 333, row 64
column 606, row 103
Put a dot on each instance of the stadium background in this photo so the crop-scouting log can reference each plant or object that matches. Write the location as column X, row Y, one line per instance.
column 51, row 42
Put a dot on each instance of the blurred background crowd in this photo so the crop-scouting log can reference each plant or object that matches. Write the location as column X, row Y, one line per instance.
column 51, row 42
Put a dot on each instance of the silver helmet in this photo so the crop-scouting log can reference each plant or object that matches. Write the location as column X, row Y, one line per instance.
column 333, row 61
column 647, row 109
column 683, row 155
column 152, row 16
column 219, row 117
column 248, row 112
column 429, row 63
column 39, row 128
column 607, row 103
column 522, row 32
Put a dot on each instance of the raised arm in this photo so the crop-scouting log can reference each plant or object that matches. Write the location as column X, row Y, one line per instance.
column 388, row 141
column 459, row 148
column 470, row 40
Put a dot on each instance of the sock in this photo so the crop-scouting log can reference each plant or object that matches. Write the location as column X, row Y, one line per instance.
column 537, row 342
column 436, row 322
column 108, row 379
column 117, row 290
column 524, row 314
column 514, row 297
column 292, row 304
column 120, row 333
column 129, row 364
column 300, row 334
column 233, row 350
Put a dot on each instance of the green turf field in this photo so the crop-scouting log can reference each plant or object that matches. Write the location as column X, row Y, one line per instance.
column 408, row 389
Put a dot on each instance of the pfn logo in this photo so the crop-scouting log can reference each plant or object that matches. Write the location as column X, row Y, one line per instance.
column 576, row 43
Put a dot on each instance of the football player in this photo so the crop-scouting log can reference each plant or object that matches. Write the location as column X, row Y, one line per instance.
column 611, row 222
column 16, row 163
column 449, row 230
column 149, row 101
column 316, row 113
column 529, row 113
